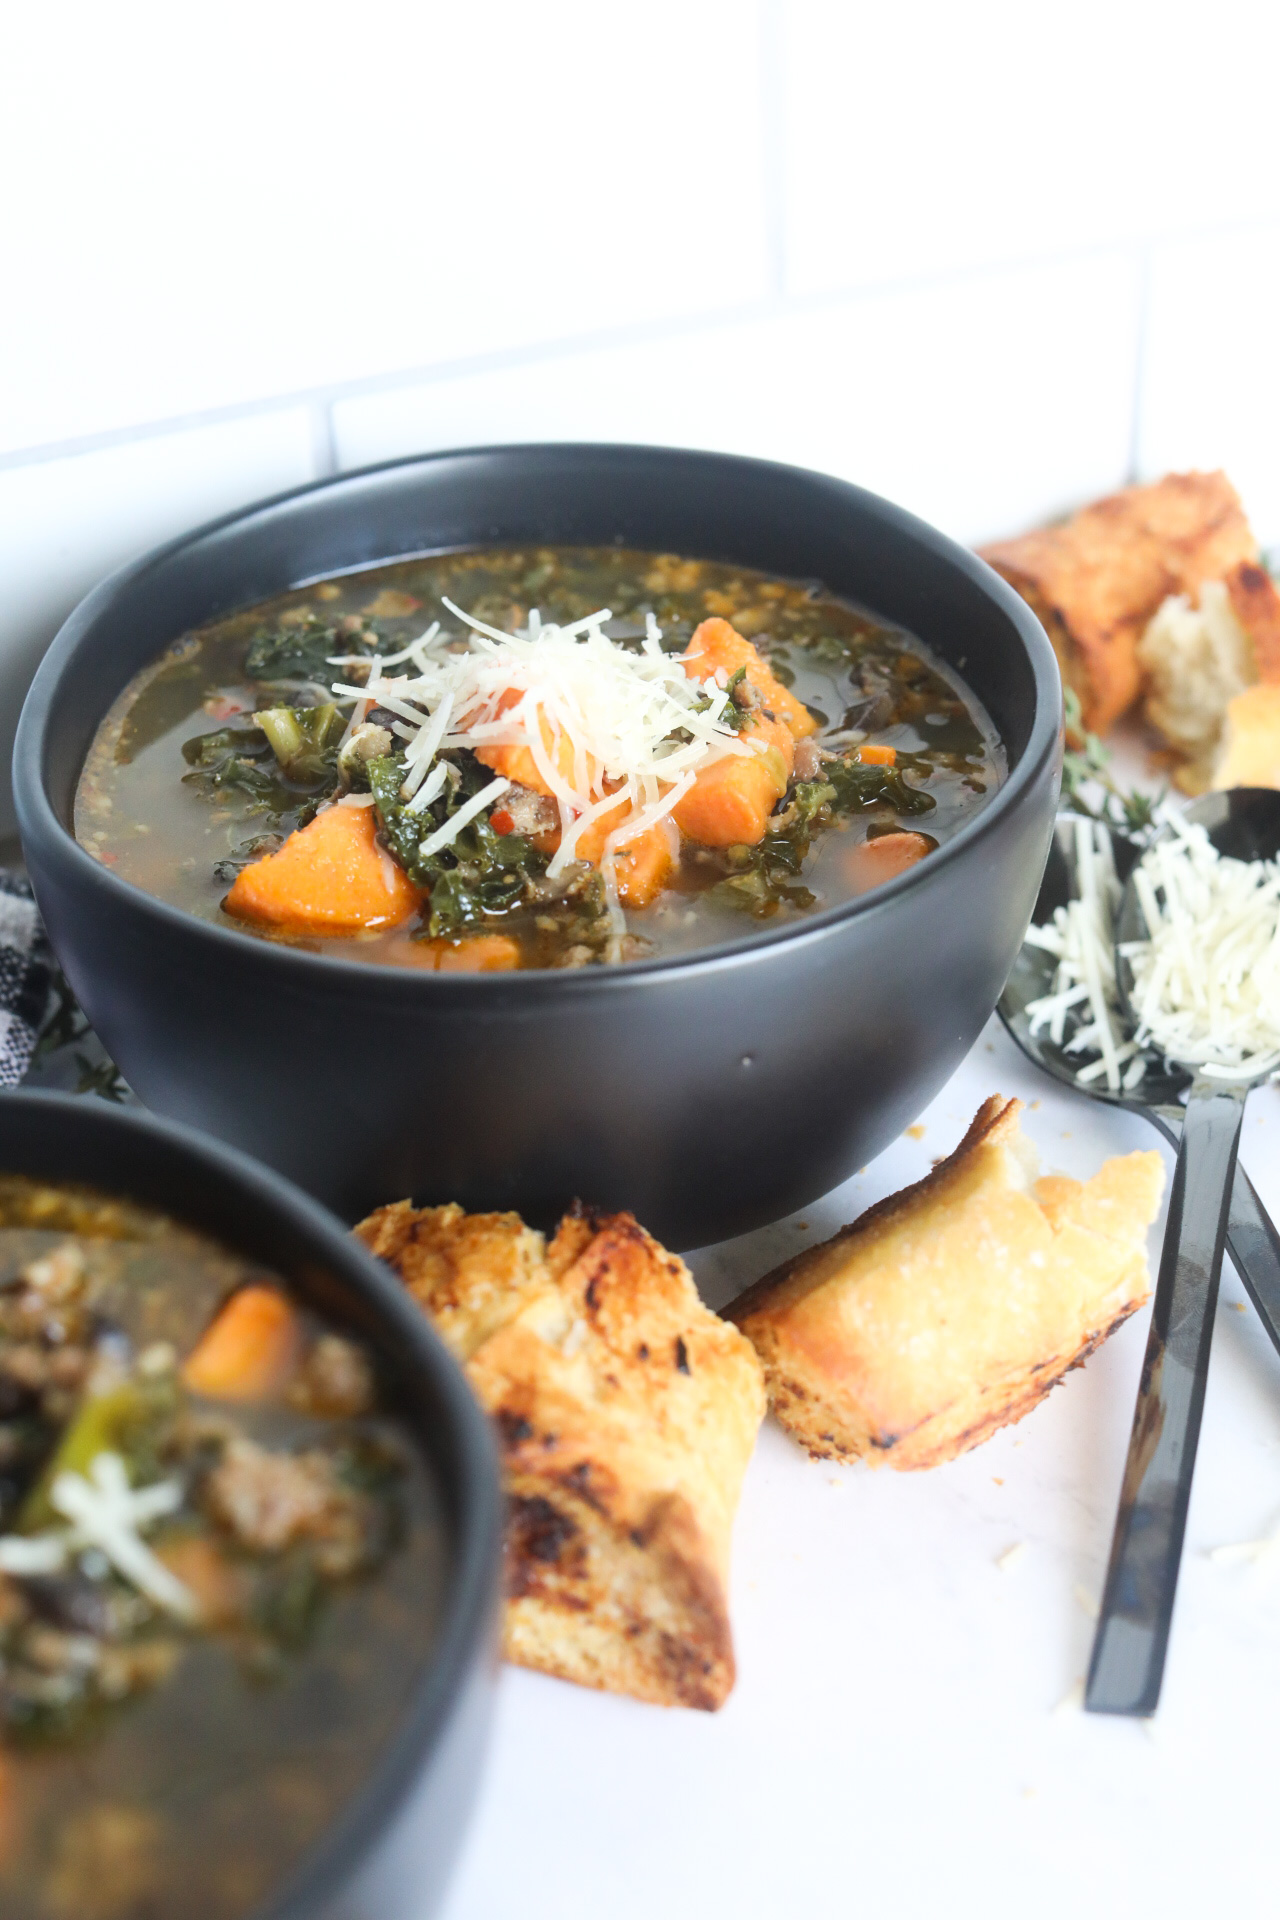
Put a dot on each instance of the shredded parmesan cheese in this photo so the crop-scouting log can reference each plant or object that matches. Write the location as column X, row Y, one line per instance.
column 107, row 1514
column 1207, row 979
column 1081, row 936
column 637, row 729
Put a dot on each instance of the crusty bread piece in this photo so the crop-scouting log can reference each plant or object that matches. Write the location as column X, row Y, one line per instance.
column 951, row 1309
column 1250, row 751
column 1256, row 605
column 626, row 1414
column 469, row 1271
column 1095, row 581
column 1199, row 658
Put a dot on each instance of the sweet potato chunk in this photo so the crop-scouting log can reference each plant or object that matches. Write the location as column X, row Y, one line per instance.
column 481, row 953
column 329, row 877
column 874, row 861
column 729, row 803
column 249, row 1352
column 477, row 953
column 641, row 868
column 518, row 765
column 716, row 644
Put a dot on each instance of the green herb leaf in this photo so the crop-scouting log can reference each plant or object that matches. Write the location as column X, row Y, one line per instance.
column 304, row 739
column 1087, row 786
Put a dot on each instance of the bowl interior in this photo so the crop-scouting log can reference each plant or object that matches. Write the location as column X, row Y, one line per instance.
column 60, row 1138
column 775, row 519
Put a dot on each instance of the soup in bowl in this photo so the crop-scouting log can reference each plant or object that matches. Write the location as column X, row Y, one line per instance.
column 406, row 868
column 533, row 757
column 247, row 1542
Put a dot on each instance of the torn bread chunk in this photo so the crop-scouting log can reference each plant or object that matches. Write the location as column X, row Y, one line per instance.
column 626, row 1414
column 1095, row 581
column 950, row 1309
column 1199, row 658
column 1250, row 752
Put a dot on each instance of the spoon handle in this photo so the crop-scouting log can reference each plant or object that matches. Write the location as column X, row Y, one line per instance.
column 1254, row 1246
column 1252, row 1239
column 1137, row 1604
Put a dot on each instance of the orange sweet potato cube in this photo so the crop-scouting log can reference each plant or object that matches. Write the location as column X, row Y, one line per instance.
column 329, row 877
column 729, row 803
column 716, row 644
column 641, row 868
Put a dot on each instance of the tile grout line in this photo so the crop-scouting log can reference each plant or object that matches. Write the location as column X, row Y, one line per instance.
column 770, row 307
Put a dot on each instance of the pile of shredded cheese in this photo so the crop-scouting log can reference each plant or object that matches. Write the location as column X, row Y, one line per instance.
column 1081, row 936
column 1206, row 981
column 639, row 729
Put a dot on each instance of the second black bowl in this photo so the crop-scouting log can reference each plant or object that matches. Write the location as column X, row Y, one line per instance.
column 390, row 1850
column 709, row 1093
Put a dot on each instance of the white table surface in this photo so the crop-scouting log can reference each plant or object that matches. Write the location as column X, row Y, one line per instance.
column 903, row 1739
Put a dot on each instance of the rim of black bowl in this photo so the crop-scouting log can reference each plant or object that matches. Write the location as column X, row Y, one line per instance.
column 473, row 1511
column 38, row 815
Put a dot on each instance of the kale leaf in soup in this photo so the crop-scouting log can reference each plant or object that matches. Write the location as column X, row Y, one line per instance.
column 545, row 757
column 220, row 1567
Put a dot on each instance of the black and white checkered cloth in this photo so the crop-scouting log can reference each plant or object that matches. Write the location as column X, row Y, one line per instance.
column 26, row 976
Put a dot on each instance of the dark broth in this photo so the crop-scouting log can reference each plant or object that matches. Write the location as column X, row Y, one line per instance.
column 154, row 1765
column 182, row 825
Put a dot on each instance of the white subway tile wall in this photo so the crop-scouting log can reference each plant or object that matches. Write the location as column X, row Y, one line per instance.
column 929, row 138
column 988, row 260
column 920, row 394
column 65, row 524
column 1211, row 372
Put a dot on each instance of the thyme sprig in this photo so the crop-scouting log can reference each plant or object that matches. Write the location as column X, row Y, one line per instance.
column 1088, row 788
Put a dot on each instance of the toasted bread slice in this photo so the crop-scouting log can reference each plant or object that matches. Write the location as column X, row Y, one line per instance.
column 626, row 1414
column 1250, row 752
column 951, row 1309
column 1255, row 601
column 1096, row 580
column 1198, row 659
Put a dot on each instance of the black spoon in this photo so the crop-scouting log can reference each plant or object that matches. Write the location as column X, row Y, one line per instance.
column 1252, row 1239
column 1132, row 1639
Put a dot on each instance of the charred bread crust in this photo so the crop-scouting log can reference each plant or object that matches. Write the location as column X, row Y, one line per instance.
column 626, row 1413
column 1255, row 602
column 1095, row 580
column 469, row 1271
column 951, row 1309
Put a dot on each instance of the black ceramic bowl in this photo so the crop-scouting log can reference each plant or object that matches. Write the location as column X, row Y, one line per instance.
column 390, row 1851
column 709, row 1093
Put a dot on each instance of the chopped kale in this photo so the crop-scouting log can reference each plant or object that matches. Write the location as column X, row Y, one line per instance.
column 858, row 786
column 808, row 798
column 480, row 874
column 762, row 879
column 239, row 757
column 304, row 739
column 285, row 760
column 301, row 649
column 244, row 853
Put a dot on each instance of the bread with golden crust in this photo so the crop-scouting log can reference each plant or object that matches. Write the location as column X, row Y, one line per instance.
column 1198, row 660
column 626, row 1414
column 952, row 1308
column 1249, row 755
column 1095, row 580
